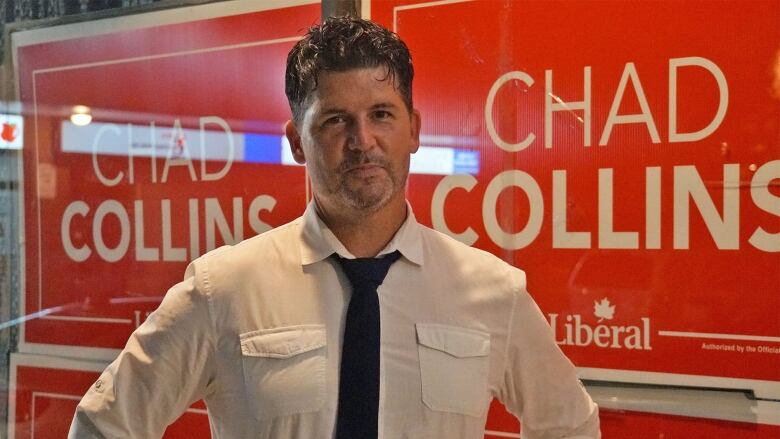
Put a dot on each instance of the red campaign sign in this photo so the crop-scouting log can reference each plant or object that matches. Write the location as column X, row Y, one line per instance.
column 45, row 391
column 637, row 425
column 629, row 161
column 184, row 154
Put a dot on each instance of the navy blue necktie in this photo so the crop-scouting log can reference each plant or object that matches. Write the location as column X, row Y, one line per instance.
column 358, row 409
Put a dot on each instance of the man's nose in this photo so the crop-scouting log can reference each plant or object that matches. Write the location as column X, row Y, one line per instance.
column 361, row 136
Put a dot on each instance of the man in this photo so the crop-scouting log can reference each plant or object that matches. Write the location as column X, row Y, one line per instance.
column 293, row 334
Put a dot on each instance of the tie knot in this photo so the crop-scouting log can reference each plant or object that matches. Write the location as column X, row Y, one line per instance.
column 367, row 271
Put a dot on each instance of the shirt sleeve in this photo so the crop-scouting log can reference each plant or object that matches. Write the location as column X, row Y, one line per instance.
column 166, row 365
column 540, row 384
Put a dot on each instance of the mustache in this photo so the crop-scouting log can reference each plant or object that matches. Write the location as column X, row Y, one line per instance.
column 361, row 158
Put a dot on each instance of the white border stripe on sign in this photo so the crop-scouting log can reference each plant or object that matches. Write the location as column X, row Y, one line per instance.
column 719, row 336
column 761, row 388
column 721, row 405
column 166, row 55
column 48, row 396
column 89, row 319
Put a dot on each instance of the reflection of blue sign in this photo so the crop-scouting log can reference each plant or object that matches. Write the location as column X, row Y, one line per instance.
column 158, row 141
column 262, row 148
column 441, row 160
column 465, row 162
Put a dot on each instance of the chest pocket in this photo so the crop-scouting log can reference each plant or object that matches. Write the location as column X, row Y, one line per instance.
column 284, row 369
column 454, row 368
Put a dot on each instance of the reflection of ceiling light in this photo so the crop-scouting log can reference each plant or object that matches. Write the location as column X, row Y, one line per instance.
column 80, row 119
column 81, row 116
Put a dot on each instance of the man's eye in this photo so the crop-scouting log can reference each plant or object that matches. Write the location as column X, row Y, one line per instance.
column 335, row 120
column 382, row 114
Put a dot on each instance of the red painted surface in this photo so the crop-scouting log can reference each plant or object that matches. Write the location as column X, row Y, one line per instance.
column 462, row 49
column 46, row 398
column 629, row 424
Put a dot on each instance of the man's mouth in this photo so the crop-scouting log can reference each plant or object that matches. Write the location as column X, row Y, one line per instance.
column 365, row 169
column 363, row 166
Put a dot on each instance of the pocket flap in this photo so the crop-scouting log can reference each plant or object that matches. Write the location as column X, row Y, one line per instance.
column 283, row 342
column 456, row 341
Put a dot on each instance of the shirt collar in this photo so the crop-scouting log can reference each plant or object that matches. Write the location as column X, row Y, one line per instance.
column 318, row 241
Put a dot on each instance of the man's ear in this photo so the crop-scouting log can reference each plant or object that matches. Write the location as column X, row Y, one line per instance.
column 294, row 138
column 415, row 124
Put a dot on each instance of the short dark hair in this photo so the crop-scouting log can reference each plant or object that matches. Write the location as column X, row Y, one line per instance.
column 340, row 44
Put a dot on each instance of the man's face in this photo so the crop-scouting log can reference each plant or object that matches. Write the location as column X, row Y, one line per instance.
column 355, row 138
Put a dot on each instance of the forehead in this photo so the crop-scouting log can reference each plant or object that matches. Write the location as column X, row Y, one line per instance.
column 355, row 87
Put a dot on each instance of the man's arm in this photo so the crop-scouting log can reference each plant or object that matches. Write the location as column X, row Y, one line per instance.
column 166, row 365
column 541, row 387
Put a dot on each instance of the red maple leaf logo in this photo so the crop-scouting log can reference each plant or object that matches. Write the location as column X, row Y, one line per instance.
column 9, row 132
column 603, row 310
column 179, row 143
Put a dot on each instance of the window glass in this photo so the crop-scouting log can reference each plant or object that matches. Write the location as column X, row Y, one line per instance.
column 626, row 155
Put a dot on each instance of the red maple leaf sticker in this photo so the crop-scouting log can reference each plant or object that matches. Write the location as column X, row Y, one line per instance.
column 9, row 132
column 603, row 310
column 179, row 143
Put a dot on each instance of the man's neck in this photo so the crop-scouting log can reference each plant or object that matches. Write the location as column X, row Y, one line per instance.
column 365, row 234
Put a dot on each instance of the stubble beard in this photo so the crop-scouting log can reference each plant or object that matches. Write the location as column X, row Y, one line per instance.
column 365, row 195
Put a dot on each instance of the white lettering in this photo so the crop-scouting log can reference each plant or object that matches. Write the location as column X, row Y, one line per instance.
column 550, row 107
column 562, row 238
column 445, row 186
column 490, row 124
column 205, row 176
column 653, row 207
column 115, row 208
column 259, row 204
column 98, row 173
column 142, row 253
column 725, row 230
column 601, row 336
column 578, row 333
column 215, row 219
column 170, row 253
column 629, row 72
column 634, row 338
column 77, row 254
column 723, row 102
column 608, row 238
column 513, row 241
column 194, row 229
column 768, row 202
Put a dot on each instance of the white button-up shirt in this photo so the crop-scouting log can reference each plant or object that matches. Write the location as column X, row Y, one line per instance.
column 255, row 330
